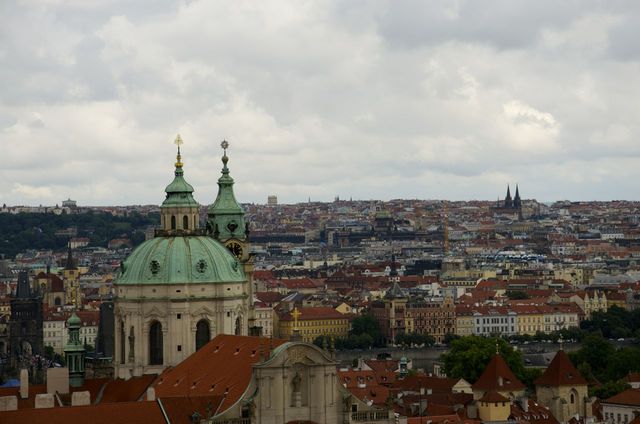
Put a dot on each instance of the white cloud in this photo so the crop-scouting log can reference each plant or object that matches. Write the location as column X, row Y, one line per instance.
column 364, row 99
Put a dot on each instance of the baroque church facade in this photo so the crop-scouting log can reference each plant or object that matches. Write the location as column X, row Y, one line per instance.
column 186, row 285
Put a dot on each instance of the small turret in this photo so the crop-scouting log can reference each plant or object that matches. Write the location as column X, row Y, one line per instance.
column 225, row 215
column 179, row 211
column 74, row 352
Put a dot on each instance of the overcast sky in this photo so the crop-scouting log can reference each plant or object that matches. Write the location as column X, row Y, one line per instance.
column 363, row 99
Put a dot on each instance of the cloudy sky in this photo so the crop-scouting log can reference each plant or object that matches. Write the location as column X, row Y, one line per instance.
column 362, row 99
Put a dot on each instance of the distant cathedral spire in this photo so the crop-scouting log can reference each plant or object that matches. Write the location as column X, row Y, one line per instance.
column 508, row 202
column 517, row 203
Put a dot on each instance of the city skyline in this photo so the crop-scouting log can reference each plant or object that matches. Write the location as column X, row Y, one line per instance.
column 363, row 100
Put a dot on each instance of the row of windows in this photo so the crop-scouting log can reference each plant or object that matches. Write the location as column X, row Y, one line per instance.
column 613, row 417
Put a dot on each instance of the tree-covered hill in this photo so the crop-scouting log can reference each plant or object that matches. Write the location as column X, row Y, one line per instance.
column 25, row 231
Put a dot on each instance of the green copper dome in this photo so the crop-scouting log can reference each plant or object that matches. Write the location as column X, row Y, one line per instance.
column 179, row 260
column 73, row 321
column 179, row 191
column 225, row 215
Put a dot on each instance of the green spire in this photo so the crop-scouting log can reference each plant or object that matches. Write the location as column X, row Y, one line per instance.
column 226, row 216
column 74, row 352
column 179, row 192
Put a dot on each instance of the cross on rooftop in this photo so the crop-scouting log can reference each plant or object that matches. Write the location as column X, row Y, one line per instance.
column 295, row 314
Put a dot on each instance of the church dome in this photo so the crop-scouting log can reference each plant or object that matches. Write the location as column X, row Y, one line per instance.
column 179, row 260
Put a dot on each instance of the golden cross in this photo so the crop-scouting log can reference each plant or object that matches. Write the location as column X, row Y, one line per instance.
column 295, row 314
column 178, row 141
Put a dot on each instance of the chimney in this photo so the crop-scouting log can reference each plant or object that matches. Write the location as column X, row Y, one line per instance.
column 151, row 394
column 24, row 383
column 524, row 403
column 500, row 381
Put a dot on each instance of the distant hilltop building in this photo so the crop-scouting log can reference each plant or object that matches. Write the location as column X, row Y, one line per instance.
column 272, row 200
column 71, row 204
column 510, row 206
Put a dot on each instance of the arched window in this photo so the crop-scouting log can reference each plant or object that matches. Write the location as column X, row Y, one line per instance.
column 185, row 222
column 202, row 333
column 122, row 341
column 155, row 344
column 57, row 301
column 173, row 222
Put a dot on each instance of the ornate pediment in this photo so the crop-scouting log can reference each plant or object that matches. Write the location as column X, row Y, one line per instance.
column 294, row 353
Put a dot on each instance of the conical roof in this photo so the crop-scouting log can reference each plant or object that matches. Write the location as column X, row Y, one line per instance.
column 498, row 376
column 561, row 372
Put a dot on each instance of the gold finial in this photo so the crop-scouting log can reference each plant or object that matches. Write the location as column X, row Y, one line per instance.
column 295, row 314
column 178, row 143
column 225, row 159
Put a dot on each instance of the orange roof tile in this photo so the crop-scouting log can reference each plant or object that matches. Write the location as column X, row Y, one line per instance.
column 560, row 372
column 126, row 412
column 498, row 376
column 222, row 367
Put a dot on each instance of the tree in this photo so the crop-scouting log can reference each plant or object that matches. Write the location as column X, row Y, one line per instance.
column 517, row 295
column 367, row 324
column 449, row 337
column 469, row 356
column 610, row 388
column 595, row 351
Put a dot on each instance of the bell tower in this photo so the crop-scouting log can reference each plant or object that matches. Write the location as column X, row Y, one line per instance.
column 226, row 223
column 179, row 211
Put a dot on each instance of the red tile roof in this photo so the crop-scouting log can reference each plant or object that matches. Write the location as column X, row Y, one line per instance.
column 493, row 397
column 498, row 376
column 126, row 412
column 127, row 390
column 320, row 312
column 561, row 372
column 628, row 397
column 222, row 367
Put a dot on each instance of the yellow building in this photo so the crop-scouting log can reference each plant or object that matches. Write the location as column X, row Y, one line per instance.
column 530, row 319
column 313, row 322
column 464, row 321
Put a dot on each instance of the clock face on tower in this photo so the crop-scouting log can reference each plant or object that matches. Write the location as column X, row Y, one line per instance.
column 235, row 248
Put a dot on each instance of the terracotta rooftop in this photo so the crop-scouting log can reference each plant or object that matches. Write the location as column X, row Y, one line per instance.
column 498, row 376
column 628, row 397
column 222, row 367
column 320, row 312
column 493, row 397
column 126, row 412
column 560, row 372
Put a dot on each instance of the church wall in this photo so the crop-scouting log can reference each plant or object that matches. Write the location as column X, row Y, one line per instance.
column 139, row 306
column 546, row 394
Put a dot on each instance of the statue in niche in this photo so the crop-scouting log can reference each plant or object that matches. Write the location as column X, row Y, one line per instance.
column 132, row 342
column 296, row 382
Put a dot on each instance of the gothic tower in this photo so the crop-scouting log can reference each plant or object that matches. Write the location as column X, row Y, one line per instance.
column 508, row 202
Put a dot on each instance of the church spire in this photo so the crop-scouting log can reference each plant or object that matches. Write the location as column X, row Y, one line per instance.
column 516, row 199
column 508, row 202
column 226, row 216
column 179, row 210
